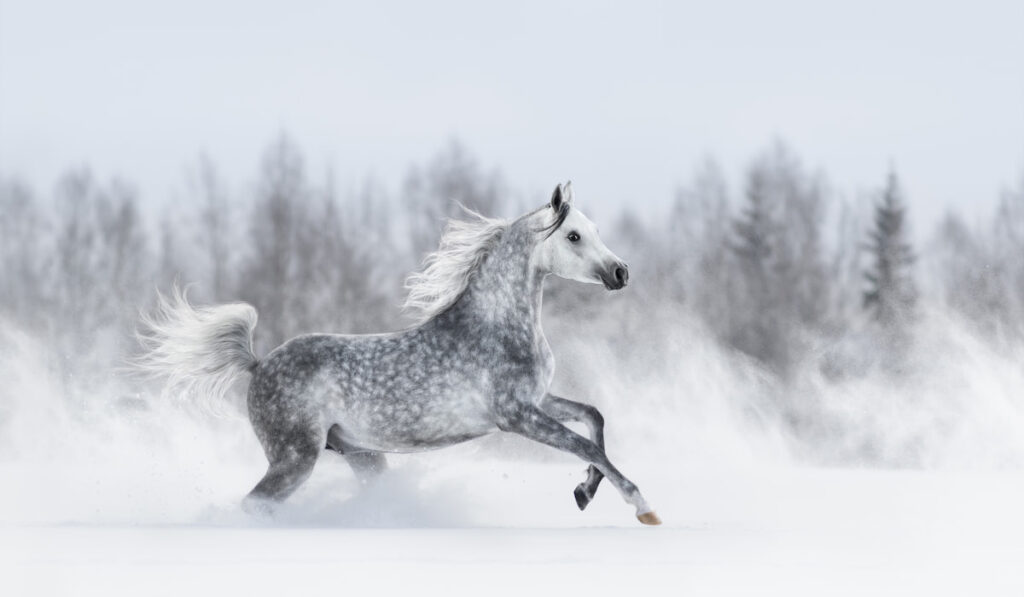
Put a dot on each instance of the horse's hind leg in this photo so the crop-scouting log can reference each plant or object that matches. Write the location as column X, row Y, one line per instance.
column 292, row 458
column 366, row 464
column 566, row 410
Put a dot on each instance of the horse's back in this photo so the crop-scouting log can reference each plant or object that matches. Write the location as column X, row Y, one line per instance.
column 305, row 360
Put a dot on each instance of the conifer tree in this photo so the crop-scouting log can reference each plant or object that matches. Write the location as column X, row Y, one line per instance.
column 756, row 322
column 891, row 294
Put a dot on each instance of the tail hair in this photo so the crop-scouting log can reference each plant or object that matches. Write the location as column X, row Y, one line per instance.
column 200, row 351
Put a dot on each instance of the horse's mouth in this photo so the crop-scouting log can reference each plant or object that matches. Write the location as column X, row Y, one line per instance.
column 610, row 284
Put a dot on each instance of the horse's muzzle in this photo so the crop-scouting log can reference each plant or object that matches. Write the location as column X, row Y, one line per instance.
column 615, row 276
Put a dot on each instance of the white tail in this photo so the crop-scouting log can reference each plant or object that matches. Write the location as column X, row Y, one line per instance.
column 200, row 350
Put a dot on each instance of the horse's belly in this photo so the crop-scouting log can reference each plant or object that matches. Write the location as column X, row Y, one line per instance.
column 374, row 439
column 418, row 444
column 410, row 426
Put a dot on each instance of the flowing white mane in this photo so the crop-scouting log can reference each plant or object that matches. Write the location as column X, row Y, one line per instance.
column 446, row 271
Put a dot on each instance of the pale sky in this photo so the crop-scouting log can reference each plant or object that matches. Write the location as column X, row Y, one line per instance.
column 623, row 98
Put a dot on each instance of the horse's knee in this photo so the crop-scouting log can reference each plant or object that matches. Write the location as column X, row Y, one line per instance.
column 595, row 417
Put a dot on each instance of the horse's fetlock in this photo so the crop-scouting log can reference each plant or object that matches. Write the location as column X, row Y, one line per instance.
column 582, row 496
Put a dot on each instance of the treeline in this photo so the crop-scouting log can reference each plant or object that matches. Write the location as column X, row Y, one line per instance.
column 775, row 267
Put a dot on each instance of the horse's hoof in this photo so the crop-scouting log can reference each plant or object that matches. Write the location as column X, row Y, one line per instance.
column 582, row 499
column 258, row 507
column 649, row 518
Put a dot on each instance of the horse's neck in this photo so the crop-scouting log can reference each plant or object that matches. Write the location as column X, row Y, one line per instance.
column 506, row 289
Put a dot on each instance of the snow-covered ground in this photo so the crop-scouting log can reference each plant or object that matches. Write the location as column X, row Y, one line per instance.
column 496, row 526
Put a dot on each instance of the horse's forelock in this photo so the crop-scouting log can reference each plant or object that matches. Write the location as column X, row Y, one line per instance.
column 560, row 215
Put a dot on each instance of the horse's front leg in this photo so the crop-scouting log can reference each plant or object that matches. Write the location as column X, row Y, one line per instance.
column 533, row 423
column 567, row 410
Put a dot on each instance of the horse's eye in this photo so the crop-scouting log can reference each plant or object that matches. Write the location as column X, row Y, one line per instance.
column 574, row 237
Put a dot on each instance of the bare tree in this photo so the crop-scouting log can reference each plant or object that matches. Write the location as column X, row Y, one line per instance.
column 372, row 282
column 433, row 194
column 77, row 292
column 971, row 278
column 846, row 269
column 22, row 261
column 170, row 262
column 215, row 233
column 101, row 259
column 123, row 252
column 1007, row 249
column 279, row 216
column 696, row 268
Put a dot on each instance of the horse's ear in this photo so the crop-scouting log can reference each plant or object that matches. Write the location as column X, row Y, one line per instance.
column 567, row 192
column 557, row 198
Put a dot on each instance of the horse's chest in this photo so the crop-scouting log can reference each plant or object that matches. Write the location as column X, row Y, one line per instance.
column 524, row 368
column 546, row 362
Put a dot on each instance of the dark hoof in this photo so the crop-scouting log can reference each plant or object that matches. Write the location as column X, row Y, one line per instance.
column 582, row 499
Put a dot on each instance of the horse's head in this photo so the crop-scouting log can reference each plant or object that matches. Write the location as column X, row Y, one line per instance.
column 571, row 248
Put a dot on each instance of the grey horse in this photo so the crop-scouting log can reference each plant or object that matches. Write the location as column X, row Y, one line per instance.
column 477, row 363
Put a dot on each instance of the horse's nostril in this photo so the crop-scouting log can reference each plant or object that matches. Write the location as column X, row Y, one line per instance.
column 621, row 274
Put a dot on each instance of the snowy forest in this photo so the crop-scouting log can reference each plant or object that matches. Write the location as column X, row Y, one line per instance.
column 826, row 323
